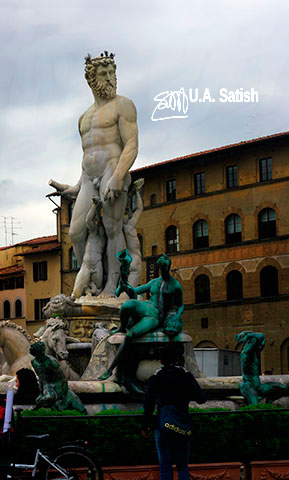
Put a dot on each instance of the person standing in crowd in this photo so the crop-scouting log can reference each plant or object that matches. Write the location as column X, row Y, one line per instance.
column 27, row 387
column 171, row 385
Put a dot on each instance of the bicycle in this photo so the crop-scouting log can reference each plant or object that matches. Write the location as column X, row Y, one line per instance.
column 72, row 461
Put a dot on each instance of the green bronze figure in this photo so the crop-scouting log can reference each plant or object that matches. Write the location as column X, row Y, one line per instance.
column 251, row 387
column 54, row 391
column 125, row 261
column 163, row 311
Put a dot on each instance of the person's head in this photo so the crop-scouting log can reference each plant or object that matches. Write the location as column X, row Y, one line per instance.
column 25, row 376
column 171, row 353
column 26, row 383
column 164, row 264
column 100, row 75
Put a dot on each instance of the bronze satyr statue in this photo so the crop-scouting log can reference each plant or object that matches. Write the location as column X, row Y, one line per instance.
column 251, row 387
column 163, row 310
column 54, row 391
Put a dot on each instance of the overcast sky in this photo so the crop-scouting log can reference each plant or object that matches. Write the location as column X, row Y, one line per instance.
column 160, row 45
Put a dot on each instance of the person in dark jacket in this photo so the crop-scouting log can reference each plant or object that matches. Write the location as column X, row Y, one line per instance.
column 171, row 385
column 27, row 387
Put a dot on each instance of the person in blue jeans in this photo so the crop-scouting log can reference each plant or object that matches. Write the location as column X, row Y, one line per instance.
column 171, row 385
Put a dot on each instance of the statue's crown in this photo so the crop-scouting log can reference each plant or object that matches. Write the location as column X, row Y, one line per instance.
column 105, row 56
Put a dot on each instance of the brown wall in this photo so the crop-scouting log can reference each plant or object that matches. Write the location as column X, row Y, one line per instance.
column 226, row 318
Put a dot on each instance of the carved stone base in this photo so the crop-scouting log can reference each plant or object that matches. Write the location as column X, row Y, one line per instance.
column 270, row 470
column 145, row 354
column 213, row 471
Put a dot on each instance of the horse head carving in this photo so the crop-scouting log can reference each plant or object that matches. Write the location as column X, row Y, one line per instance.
column 54, row 335
column 15, row 343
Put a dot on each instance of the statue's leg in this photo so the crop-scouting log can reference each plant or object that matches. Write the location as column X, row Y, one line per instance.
column 78, row 227
column 81, row 281
column 129, row 312
column 144, row 325
column 273, row 390
column 249, row 392
column 113, row 213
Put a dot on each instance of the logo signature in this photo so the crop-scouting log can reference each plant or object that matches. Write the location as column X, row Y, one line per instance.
column 176, row 102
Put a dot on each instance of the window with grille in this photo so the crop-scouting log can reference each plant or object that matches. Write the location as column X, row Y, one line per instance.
column 39, row 304
column 73, row 263
column 172, row 239
column 39, row 271
column 267, row 223
column 233, row 229
column 171, row 190
column 265, row 165
column 199, row 181
column 232, row 176
column 201, row 234
column 202, row 289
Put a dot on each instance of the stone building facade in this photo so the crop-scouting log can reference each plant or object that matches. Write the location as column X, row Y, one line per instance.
column 29, row 277
column 222, row 216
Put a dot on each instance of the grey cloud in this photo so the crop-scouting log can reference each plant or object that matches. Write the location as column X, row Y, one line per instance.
column 159, row 46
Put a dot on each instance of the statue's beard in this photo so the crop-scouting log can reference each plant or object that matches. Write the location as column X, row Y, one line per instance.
column 102, row 89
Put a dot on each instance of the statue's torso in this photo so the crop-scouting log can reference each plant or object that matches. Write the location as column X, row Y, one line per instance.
column 101, row 141
column 166, row 290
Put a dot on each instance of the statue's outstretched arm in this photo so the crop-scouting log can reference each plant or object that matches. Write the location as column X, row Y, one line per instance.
column 65, row 190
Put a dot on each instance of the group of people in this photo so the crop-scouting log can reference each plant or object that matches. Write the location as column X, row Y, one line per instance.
column 170, row 385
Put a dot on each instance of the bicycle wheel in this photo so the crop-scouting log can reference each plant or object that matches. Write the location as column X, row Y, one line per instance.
column 77, row 463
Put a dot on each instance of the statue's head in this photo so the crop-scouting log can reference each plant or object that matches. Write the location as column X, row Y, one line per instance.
column 100, row 74
column 37, row 349
column 164, row 264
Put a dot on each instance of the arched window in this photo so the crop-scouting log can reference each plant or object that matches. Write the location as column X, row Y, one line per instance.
column 201, row 234
column 202, row 289
column 172, row 239
column 140, row 239
column 267, row 223
column 7, row 309
column 234, row 281
column 153, row 199
column 269, row 281
column 18, row 308
column 73, row 263
column 233, row 227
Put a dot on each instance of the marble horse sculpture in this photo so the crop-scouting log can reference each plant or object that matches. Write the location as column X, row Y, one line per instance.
column 15, row 343
column 54, row 337
column 251, row 387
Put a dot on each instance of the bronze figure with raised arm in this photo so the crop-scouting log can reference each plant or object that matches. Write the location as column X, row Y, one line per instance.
column 138, row 318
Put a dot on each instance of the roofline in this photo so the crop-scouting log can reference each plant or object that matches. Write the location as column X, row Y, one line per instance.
column 213, row 150
column 48, row 239
column 38, row 252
